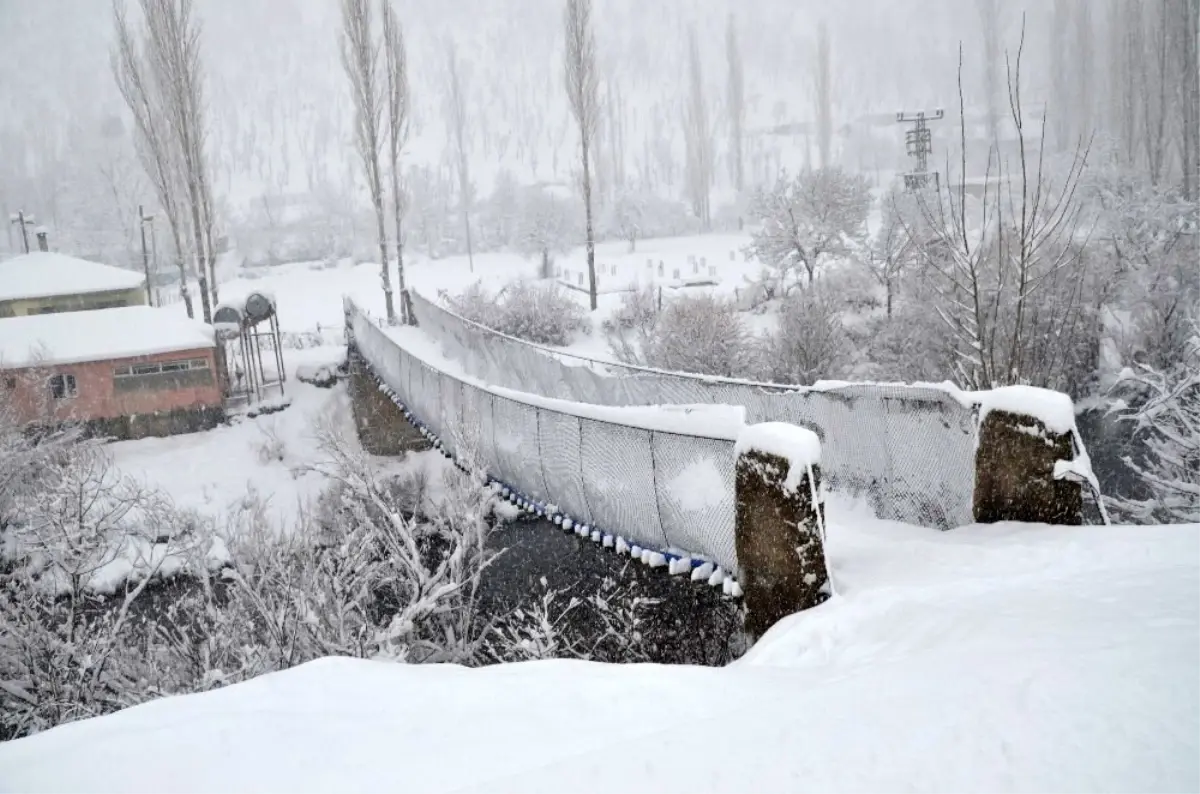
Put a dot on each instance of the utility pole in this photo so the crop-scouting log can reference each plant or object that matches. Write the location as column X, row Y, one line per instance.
column 19, row 217
column 918, row 142
column 143, row 218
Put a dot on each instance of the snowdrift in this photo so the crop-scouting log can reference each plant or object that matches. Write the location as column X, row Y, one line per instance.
column 1003, row 658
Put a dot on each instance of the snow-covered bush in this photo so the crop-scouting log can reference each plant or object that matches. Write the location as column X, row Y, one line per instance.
column 910, row 345
column 630, row 328
column 606, row 626
column 541, row 313
column 1151, row 238
column 701, row 334
column 1167, row 420
column 270, row 448
column 82, row 531
column 810, row 343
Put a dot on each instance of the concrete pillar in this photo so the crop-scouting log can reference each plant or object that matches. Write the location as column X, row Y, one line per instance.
column 1014, row 472
column 777, row 530
column 380, row 424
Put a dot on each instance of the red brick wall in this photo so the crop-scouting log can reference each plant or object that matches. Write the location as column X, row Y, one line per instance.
column 28, row 392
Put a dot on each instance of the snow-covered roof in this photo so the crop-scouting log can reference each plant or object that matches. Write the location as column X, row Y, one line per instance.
column 98, row 335
column 41, row 274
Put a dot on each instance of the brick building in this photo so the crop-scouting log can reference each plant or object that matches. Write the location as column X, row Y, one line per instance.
column 128, row 372
column 43, row 283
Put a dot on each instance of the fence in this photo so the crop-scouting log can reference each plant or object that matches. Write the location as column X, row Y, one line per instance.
column 909, row 449
column 663, row 491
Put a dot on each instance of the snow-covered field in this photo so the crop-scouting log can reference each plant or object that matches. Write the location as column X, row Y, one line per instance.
column 1000, row 658
column 309, row 294
column 218, row 471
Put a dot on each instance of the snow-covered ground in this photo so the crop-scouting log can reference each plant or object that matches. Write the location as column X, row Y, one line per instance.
column 1002, row 658
column 216, row 471
column 309, row 294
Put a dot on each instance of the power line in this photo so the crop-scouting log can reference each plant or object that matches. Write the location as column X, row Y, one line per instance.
column 918, row 143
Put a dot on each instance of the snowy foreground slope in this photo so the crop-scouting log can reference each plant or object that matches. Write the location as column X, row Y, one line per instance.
column 994, row 658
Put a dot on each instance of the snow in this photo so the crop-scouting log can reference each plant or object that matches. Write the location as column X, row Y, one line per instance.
column 698, row 487
column 98, row 335
column 41, row 274
column 797, row 445
column 722, row 422
column 220, row 471
column 1004, row 657
column 1053, row 409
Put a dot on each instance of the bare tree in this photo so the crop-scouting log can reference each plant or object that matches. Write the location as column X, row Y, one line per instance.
column 173, row 46
column 456, row 119
column 360, row 59
column 396, row 65
column 735, row 101
column 583, row 92
column 154, row 140
column 823, row 96
column 162, row 84
column 1010, row 283
column 895, row 244
column 806, row 220
column 698, row 136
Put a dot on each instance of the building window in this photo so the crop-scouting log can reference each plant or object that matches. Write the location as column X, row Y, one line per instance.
column 180, row 374
column 10, row 382
column 62, row 387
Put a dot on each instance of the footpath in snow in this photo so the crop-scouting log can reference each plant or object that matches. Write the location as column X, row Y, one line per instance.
column 999, row 658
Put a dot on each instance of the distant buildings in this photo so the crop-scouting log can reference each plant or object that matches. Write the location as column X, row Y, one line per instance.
column 47, row 283
column 78, row 344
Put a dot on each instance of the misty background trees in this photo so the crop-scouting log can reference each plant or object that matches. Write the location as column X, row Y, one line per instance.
column 818, row 81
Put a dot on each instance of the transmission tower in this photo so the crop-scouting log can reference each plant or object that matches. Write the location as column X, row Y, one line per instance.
column 918, row 142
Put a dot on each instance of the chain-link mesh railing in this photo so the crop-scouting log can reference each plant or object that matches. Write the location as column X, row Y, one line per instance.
column 910, row 450
column 663, row 491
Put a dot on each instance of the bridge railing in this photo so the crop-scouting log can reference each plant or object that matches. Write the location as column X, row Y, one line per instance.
column 669, row 492
column 910, row 450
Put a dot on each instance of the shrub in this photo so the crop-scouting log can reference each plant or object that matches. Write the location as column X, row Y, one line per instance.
column 810, row 343
column 700, row 334
column 631, row 327
column 541, row 313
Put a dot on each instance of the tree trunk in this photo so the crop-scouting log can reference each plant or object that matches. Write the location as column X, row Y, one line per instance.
column 404, row 318
column 591, row 243
column 467, row 228
column 384, row 271
column 201, row 263
column 184, row 292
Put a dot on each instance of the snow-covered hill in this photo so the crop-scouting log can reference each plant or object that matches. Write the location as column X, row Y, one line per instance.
column 998, row 658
